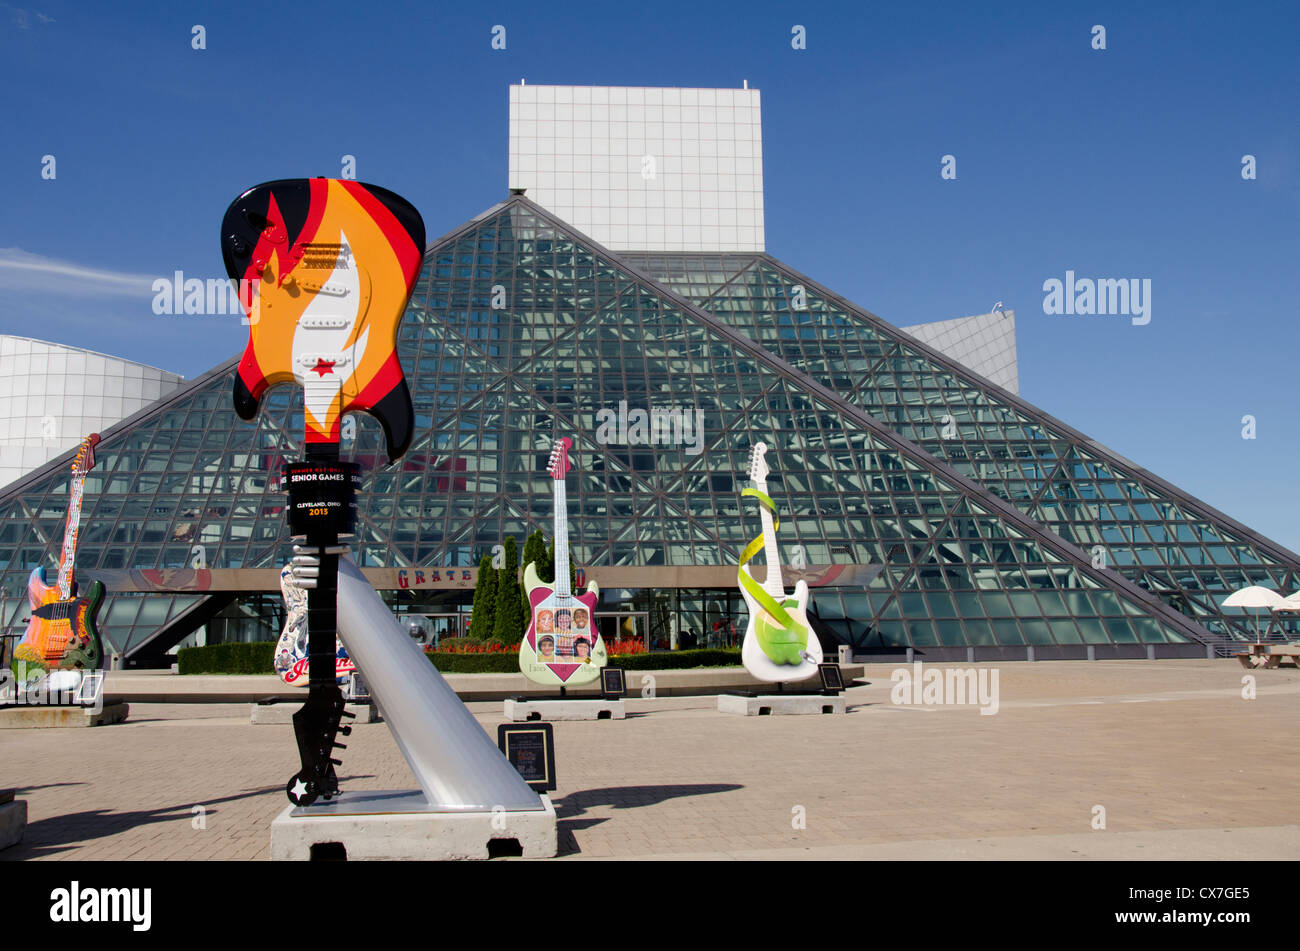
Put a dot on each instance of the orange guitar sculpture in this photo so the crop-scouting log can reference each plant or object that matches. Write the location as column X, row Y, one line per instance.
column 61, row 634
column 325, row 268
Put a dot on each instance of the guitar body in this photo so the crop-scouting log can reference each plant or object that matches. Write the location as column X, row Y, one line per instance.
column 566, row 620
column 329, row 265
column 774, row 654
column 291, row 649
column 61, row 634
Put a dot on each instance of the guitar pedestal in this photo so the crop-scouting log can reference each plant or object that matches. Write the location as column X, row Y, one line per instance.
column 13, row 818
column 24, row 717
column 524, row 709
column 389, row 825
column 780, row 704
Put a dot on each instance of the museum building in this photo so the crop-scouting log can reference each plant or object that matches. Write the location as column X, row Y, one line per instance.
column 631, row 306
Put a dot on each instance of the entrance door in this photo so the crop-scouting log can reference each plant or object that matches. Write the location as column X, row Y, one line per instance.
column 428, row 629
column 629, row 627
column 724, row 621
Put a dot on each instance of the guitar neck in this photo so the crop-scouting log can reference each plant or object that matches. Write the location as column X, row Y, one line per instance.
column 774, row 585
column 561, row 541
column 68, row 556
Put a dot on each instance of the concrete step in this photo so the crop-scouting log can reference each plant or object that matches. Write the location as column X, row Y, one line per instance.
column 136, row 686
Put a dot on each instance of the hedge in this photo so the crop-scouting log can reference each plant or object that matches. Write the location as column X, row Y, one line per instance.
column 251, row 658
column 450, row 663
column 675, row 660
column 257, row 657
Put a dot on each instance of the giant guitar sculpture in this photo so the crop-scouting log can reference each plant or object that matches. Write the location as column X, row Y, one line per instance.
column 561, row 646
column 779, row 645
column 61, row 635
column 325, row 269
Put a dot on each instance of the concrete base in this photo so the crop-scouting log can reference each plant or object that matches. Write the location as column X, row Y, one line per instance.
column 13, row 822
column 398, row 825
column 35, row 717
column 779, row 704
column 282, row 713
column 567, row 709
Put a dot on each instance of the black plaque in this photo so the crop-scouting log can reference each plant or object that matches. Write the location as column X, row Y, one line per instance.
column 613, row 685
column 832, row 680
column 322, row 497
column 530, row 747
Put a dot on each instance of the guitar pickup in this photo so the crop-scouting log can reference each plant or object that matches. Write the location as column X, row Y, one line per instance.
column 334, row 289
column 324, row 323
column 338, row 360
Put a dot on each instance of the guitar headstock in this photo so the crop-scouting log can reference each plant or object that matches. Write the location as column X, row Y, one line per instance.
column 559, row 466
column 758, row 469
column 85, row 459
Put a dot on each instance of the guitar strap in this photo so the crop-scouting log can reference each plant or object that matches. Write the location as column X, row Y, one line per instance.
column 756, row 591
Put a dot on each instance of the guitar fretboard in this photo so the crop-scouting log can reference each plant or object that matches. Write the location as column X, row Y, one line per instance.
column 561, row 541
column 774, row 585
column 68, row 556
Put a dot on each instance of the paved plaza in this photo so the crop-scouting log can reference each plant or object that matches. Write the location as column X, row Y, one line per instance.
column 1182, row 765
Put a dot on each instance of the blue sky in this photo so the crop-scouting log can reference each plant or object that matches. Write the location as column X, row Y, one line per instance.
column 1122, row 163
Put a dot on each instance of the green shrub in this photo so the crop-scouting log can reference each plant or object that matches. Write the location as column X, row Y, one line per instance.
column 450, row 663
column 485, row 598
column 251, row 658
column 509, row 621
column 677, row 660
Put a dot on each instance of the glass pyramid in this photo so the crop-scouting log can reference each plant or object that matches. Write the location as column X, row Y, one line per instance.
column 519, row 330
column 1123, row 516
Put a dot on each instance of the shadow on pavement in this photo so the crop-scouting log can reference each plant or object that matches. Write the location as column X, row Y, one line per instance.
column 49, row 836
column 620, row 797
column 21, row 791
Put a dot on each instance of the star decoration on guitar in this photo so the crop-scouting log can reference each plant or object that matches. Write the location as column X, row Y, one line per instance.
column 298, row 790
column 323, row 366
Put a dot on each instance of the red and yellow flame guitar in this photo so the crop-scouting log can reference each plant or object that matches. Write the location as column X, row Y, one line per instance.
column 562, row 645
column 326, row 267
column 61, row 634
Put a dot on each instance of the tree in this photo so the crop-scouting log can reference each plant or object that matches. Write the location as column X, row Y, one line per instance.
column 483, row 620
column 509, row 626
column 535, row 553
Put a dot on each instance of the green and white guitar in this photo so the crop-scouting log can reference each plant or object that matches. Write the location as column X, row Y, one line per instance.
column 779, row 643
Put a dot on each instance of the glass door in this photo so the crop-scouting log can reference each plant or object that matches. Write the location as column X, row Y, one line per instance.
column 428, row 629
column 624, row 632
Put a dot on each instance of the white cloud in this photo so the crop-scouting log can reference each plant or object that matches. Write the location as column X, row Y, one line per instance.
column 22, row 18
column 23, row 271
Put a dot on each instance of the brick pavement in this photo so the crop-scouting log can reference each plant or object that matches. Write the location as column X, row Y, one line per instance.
column 1183, row 766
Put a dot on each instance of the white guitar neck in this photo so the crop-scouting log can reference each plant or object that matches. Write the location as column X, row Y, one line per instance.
column 774, row 585
column 561, row 541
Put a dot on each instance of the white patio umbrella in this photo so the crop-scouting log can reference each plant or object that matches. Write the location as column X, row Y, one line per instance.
column 1254, row 597
column 1290, row 603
